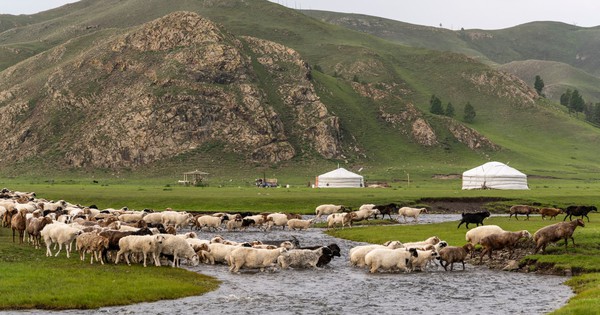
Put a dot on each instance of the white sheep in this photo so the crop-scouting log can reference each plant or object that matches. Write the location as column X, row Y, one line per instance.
column 277, row 219
column 177, row 219
column 423, row 258
column 475, row 235
column 220, row 252
column 144, row 244
column 53, row 206
column 300, row 258
column 357, row 254
column 178, row 247
column 132, row 217
column 368, row 206
column 328, row 209
column 234, row 225
column 342, row 219
column 259, row 219
column 60, row 234
column 411, row 212
column 298, row 224
column 364, row 214
column 212, row 223
column 153, row 218
column 249, row 257
column 390, row 259
column 422, row 244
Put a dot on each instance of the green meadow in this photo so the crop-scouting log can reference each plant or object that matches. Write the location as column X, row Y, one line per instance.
column 25, row 269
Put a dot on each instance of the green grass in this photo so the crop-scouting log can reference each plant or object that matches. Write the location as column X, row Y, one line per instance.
column 584, row 259
column 30, row 280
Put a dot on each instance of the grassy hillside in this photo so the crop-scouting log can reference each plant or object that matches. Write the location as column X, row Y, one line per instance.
column 504, row 113
column 558, row 77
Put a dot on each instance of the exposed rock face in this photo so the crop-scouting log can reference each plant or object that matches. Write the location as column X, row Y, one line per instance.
column 163, row 89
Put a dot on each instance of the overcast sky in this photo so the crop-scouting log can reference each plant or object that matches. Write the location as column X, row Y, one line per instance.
column 483, row 14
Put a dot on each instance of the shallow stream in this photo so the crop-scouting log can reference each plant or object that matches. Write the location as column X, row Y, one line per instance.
column 342, row 289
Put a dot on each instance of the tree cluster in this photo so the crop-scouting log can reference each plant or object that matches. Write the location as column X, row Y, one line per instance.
column 436, row 107
column 575, row 103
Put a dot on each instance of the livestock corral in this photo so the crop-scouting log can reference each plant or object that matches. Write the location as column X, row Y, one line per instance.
column 270, row 262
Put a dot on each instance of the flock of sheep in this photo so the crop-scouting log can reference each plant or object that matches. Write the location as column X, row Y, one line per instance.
column 136, row 236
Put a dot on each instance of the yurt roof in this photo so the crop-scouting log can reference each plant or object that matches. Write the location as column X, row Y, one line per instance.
column 340, row 173
column 493, row 169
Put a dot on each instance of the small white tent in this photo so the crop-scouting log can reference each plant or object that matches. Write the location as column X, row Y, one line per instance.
column 339, row 178
column 494, row 175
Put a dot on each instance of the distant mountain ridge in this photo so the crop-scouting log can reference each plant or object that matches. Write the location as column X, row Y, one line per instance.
column 145, row 84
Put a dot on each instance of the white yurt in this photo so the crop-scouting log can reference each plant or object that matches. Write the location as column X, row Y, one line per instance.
column 494, row 175
column 339, row 178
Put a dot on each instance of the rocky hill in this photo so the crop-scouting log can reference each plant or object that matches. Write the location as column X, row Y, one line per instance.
column 165, row 88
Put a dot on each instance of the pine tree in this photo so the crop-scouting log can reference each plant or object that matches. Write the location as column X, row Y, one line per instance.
column 469, row 113
column 576, row 102
column 449, row 110
column 565, row 97
column 538, row 85
column 435, row 106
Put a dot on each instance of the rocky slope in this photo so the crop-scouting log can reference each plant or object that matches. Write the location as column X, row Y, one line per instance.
column 167, row 87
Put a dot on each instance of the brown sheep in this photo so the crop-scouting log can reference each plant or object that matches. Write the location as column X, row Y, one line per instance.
column 501, row 240
column 522, row 209
column 556, row 232
column 17, row 223
column 550, row 212
column 452, row 254
column 93, row 243
column 35, row 226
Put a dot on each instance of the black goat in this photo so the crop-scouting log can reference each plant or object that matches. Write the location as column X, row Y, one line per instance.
column 579, row 211
column 476, row 218
column 386, row 209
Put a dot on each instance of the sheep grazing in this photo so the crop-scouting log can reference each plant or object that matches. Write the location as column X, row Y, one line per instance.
column 390, row 259
column 476, row 218
column 178, row 247
column 34, row 228
column 411, row 212
column 302, row 258
column 93, row 243
column 550, row 212
column 61, row 234
column 521, row 209
column 579, row 211
column 500, row 241
column 249, row 257
column 144, row 244
column 328, row 209
column 298, row 224
column 451, row 254
column 18, row 224
column 556, row 232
